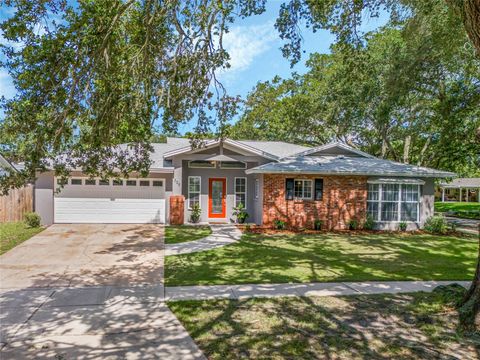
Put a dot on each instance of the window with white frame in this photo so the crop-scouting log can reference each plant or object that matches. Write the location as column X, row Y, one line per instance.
column 303, row 189
column 393, row 202
column 241, row 191
column 193, row 191
column 232, row 165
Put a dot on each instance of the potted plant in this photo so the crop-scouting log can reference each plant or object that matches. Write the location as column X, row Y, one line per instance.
column 195, row 214
column 240, row 213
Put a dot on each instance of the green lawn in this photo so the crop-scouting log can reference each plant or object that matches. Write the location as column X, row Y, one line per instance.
column 14, row 233
column 469, row 210
column 182, row 233
column 323, row 257
column 407, row 326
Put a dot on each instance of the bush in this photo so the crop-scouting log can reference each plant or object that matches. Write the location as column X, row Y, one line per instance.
column 32, row 219
column 240, row 213
column 402, row 226
column 369, row 223
column 353, row 224
column 195, row 214
column 279, row 224
column 317, row 224
column 436, row 225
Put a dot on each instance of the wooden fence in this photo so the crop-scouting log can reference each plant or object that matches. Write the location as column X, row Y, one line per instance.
column 14, row 205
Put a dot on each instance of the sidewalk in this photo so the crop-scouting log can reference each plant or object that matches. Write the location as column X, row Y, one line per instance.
column 221, row 235
column 308, row 289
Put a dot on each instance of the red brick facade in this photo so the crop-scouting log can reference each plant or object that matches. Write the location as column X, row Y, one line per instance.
column 344, row 199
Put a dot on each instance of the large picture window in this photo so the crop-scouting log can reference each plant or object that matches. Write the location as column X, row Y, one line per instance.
column 393, row 202
column 303, row 189
column 241, row 191
column 194, row 183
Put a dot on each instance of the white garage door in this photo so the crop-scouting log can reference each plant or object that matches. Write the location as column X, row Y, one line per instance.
column 85, row 200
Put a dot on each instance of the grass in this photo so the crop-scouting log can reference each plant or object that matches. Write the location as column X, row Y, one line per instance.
column 325, row 257
column 14, row 233
column 406, row 326
column 469, row 210
column 183, row 233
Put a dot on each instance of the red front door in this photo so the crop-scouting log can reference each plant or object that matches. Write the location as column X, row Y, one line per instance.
column 217, row 188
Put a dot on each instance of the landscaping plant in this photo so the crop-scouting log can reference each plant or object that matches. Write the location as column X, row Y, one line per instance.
column 195, row 214
column 353, row 224
column 32, row 219
column 436, row 225
column 369, row 223
column 240, row 213
column 317, row 225
column 402, row 226
column 279, row 224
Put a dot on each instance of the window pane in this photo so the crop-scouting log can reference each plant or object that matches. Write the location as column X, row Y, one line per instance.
column 76, row 181
column 157, row 183
column 372, row 209
column 131, row 182
column 410, row 193
column 298, row 188
column 144, row 183
column 194, row 199
column 390, row 192
column 194, row 184
column 372, row 192
column 240, row 199
column 240, row 185
column 232, row 165
column 389, row 211
column 307, row 189
column 90, row 182
column 201, row 164
column 409, row 211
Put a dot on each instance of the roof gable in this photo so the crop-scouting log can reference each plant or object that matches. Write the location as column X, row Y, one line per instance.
column 335, row 149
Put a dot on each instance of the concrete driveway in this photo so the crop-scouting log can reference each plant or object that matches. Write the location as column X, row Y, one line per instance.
column 89, row 291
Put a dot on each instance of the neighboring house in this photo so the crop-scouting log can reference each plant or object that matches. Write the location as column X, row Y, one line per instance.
column 274, row 180
column 461, row 189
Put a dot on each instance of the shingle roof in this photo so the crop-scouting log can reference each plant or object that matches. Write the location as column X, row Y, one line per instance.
column 346, row 166
column 278, row 148
column 462, row 182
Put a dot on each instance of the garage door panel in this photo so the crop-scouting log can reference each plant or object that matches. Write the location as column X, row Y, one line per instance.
column 107, row 210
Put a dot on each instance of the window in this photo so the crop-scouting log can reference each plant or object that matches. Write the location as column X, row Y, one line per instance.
column 104, row 182
column 76, row 181
column 393, row 202
column 144, row 182
column 193, row 191
column 303, row 189
column 117, row 182
column 157, row 183
column 90, row 182
column 241, row 191
column 257, row 188
column 232, row 165
column 131, row 182
column 201, row 164
column 318, row 189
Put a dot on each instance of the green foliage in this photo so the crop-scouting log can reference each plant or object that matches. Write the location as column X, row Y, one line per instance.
column 450, row 294
column 369, row 223
column 436, row 225
column 32, row 219
column 402, row 226
column 240, row 213
column 317, row 224
column 279, row 224
column 353, row 224
column 195, row 213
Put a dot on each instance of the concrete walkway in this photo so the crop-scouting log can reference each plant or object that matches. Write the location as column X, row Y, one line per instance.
column 307, row 289
column 469, row 226
column 224, row 234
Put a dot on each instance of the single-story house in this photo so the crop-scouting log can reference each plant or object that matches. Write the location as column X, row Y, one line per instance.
column 460, row 189
column 274, row 180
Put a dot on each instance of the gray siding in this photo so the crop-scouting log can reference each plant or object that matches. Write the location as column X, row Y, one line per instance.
column 43, row 205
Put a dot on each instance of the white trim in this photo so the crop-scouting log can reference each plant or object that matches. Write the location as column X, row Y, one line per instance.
column 303, row 188
column 396, row 181
column 199, row 191
column 399, row 203
column 235, row 191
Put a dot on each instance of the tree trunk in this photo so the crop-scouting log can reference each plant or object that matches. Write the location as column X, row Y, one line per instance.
column 406, row 149
column 470, row 12
column 470, row 306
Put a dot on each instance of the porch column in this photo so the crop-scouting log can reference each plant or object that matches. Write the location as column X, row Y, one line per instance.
column 467, row 191
column 443, row 195
column 478, row 195
column 460, row 195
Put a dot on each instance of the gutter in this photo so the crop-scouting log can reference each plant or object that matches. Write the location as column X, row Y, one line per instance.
column 310, row 172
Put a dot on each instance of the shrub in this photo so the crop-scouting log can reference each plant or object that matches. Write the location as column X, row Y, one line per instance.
column 353, row 224
column 240, row 213
column 369, row 223
column 317, row 224
column 195, row 214
column 279, row 224
column 436, row 225
column 402, row 226
column 32, row 219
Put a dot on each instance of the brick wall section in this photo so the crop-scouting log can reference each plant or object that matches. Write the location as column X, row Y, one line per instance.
column 344, row 198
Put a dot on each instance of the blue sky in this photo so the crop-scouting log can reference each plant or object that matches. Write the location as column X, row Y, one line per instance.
column 254, row 47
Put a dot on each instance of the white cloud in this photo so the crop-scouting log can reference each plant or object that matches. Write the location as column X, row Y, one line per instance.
column 7, row 88
column 245, row 43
